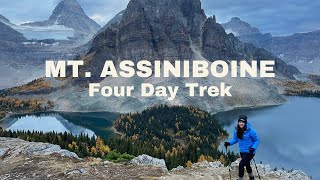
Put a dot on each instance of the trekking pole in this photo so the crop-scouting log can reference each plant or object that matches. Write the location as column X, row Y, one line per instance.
column 228, row 160
column 256, row 168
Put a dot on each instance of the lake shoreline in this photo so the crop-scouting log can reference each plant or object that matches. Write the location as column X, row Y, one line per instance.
column 52, row 111
column 249, row 108
column 59, row 111
column 275, row 117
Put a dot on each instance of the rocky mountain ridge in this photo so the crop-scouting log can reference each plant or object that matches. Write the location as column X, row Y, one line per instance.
column 167, row 30
column 29, row 160
column 299, row 49
column 173, row 30
column 9, row 34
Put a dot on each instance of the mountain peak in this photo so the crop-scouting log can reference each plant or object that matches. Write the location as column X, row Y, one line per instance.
column 70, row 14
column 153, row 29
column 168, row 30
column 235, row 19
column 70, row 2
column 186, row 6
column 66, row 7
column 239, row 27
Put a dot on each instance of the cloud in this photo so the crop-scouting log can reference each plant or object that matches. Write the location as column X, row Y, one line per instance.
column 278, row 17
column 103, row 10
column 26, row 10
column 102, row 19
column 19, row 11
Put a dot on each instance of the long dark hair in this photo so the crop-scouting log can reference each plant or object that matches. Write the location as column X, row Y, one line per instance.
column 240, row 131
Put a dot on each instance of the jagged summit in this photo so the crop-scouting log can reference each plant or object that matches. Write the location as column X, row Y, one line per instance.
column 65, row 8
column 239, row 27
column 235, row 19
column 70, row 14
column 171, row 30
column 167, row 30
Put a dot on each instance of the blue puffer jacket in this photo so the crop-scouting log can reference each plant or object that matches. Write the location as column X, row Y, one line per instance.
column 250, row 139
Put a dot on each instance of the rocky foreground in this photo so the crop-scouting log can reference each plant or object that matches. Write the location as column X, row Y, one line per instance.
column 29, row 160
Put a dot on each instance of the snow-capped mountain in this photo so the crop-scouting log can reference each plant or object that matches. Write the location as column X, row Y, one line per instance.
column 56, row 32
column 69, row 14
column 23, row 50
column 26, row 47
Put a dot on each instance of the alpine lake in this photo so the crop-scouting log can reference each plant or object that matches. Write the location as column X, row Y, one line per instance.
column 288, row 133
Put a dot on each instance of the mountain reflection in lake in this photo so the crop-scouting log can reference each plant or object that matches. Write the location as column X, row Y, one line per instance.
column 92, row 123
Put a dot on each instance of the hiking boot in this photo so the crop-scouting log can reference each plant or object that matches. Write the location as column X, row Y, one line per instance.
column 251, row 178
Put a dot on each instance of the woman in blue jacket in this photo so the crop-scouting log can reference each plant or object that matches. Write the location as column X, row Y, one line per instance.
column 248, row 141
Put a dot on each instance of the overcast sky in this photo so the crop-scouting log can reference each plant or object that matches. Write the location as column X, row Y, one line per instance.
column 281, row 17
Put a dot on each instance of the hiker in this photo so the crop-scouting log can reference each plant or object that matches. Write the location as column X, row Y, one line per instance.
column 248, row 141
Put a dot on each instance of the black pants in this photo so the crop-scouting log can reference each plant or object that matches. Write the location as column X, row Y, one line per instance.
column 245, row 162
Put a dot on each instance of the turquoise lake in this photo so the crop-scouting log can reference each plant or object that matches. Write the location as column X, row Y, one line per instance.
column 288, row 133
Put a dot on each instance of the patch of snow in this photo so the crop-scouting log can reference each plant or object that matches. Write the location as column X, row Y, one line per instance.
column 28, row 43
column 55, row 44
column 57, row 32
column 56, row 23
column 44, row 44
column 228, row 31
